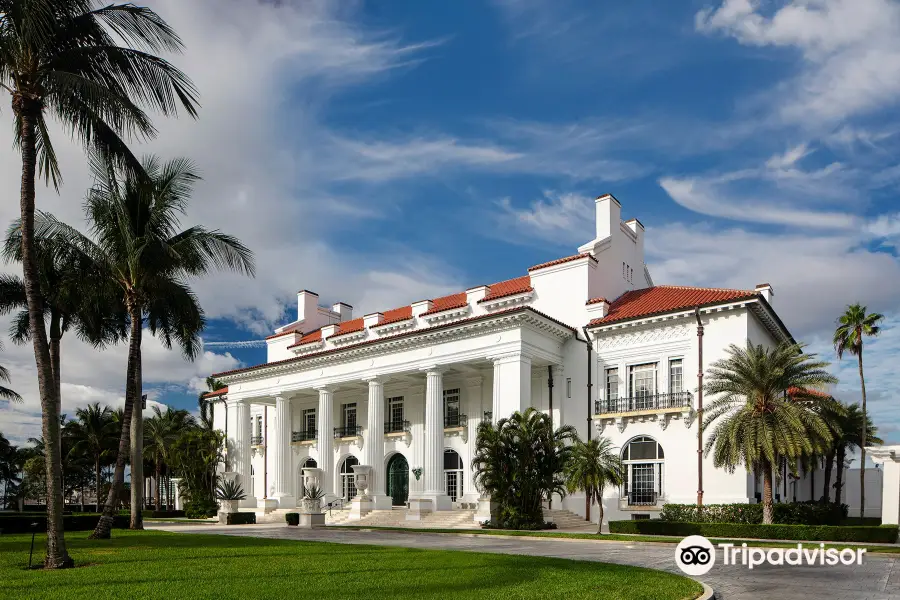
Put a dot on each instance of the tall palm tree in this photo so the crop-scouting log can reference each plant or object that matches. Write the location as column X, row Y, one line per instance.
column 854, row 325
column 92, row 434
column 5, row 392
column 207, row 405
column 592, row 466
column 92, row 68
column 759, row 421
column 848, row 439
column 137, row 245
column 160, row 432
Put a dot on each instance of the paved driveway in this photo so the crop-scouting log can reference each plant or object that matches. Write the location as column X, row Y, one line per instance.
column 876, row 579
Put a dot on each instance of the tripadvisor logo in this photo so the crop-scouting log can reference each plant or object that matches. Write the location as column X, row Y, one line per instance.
column 695, row 555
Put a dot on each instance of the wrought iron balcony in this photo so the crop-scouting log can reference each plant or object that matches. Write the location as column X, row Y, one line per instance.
column 347, row 431
column 396, row 427
column 455, row 420
column 303, row 436
column 256, row 440
column 673, row 401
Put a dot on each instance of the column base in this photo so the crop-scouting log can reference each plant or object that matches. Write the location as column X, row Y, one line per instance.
column 360, row 508
column 439, row 500
column 286, row 501
column 311, row 520
column 268, row 505
column 382, row 502
column 486, row 508
column 418, row 508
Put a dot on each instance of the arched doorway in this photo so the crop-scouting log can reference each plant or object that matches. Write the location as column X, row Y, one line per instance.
column 309, row 463
column 348, row 478
column 398, row 480
column 453, row 474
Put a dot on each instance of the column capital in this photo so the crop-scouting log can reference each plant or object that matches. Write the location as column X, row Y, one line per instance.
column 325, row 387
column 509, row 357
column 558, row 370
column 436, row 369
column 376, row 379
column 237, row 401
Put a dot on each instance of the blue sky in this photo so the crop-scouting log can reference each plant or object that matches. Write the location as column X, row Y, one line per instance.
column 384, row 152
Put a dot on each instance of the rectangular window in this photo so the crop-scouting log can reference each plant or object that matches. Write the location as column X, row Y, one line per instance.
column 258, row 426
column 395, row 413
column 451, row 408
column 642, row 383
column 309, row 420
column 676, row 375
column 348, row 414
column 612, row 384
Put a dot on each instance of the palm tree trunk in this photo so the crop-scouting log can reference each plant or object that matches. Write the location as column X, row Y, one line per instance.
column 767, row 493
column 826, row 486
column 839, row 476
column 104, row 526
column 600, row 508
column 28, row 110
column 158, row 485
column 97, row 477
column 137, row 423
column 862, row 436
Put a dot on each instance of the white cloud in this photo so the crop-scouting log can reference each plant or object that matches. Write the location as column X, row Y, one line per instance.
column 556, row 218
column 850, row 52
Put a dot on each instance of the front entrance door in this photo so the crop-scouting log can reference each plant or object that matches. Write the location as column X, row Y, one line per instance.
column 398, row 480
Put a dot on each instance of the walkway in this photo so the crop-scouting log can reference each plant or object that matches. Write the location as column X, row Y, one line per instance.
column 876, row 579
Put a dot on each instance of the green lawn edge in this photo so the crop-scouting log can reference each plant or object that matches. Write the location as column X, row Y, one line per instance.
column 620, row 537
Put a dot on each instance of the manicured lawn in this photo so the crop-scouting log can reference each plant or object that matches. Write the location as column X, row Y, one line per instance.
column 154, row 564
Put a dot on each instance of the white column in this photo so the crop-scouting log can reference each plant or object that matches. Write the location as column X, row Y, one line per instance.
column 281, row 444
column 433, row 469
column 476, row 414
column 373, row 446
column 512, row 384
column 559, row 394
column 889, row 459
column 240, row 448
column 325, row 440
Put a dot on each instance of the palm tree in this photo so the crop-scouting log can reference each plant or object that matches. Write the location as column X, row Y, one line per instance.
column 6, row 393
column 91, row 67
column 207, row 405
column 850, row 438
column 160, row 432
column 520, row 462
column 854, row 325
column 138, row 248
column 92, row 434
column 592, row 466
column 760, row 422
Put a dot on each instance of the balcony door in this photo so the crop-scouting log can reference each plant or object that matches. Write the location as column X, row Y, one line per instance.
column 642, row 385
column 348, row 478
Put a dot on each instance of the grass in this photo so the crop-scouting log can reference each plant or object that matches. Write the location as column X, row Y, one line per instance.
column 152, row 564
column 617, row 537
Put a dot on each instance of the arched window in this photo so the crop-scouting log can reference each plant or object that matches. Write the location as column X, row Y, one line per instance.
column 453, row 474
column 348, row 478
column 644, row 462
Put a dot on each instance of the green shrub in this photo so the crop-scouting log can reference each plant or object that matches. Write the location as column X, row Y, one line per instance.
column 787, row 513
column 520, row 526
column 292, row 518
column 866, row 521
column 17, row 524
column 243, row 518
column 200, row 509
column 815, row 533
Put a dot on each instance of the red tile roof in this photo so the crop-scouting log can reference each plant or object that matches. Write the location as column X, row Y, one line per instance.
column 272, row 337
column 396, row 315
column 217, row 393
column 510, row 287
column 560, row 261
column 351, row 326
column 666, row 298
column 447, row 302
column 596, row 300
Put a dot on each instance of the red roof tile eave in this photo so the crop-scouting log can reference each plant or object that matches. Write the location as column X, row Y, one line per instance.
column 560, row 261
column 506, row 294
column 610, row 321
column 394, row 337
column 219, row 392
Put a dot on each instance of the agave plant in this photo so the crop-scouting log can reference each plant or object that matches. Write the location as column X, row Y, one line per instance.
column 312, row 499
column 230, row 490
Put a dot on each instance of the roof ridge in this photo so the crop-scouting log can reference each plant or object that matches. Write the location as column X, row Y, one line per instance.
column 697, row 287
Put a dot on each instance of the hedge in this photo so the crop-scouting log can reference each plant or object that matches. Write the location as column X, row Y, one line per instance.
column 20, row 524
column 813, row 533
column 240, row 518
column 292, row 518
column 786, row 513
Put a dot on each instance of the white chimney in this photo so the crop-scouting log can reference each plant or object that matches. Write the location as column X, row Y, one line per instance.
column 475, row 294
column 329, row 330
column 608, row 215
column 307, row 308
column 765, row 290
column 420, row 307
column 344, row 310
column 373, row 319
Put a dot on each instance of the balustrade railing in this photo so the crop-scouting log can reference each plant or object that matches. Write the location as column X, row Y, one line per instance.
column 256, row 440
column 347, row 431
column 455, row 420
column 645, row 402
column 396, row 427
column 303, row 436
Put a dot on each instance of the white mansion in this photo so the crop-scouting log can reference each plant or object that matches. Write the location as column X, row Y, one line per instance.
column 587, row 338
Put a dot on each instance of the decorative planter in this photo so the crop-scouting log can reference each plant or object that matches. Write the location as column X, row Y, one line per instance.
column 363, row 476
column 310, row 506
